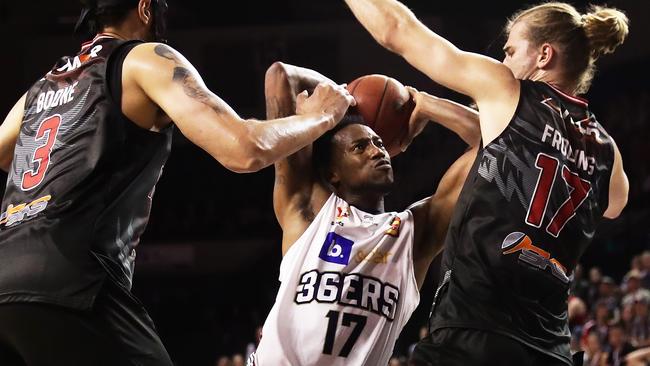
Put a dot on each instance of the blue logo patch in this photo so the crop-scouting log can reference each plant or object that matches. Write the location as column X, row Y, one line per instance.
column 336, row 249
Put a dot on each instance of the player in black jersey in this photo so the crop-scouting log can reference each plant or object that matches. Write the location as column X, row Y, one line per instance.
column 84, row 148
column 547, row 173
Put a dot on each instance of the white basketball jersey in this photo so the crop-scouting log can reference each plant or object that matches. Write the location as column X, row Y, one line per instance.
column 347, row 289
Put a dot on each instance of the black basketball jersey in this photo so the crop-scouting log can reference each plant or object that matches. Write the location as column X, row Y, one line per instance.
column 527, row 212
column 79, row 190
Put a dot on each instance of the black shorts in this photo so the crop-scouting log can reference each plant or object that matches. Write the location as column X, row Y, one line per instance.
column 472, row 347
column 116, row 331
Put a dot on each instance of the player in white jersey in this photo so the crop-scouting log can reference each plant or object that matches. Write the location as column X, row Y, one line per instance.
column 351, row 272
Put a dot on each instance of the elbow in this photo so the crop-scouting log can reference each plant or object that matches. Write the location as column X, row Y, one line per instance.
column 252, row 156
column 389, row 37
column 249, row 160
column 393, row 34
column 275, row 73
column 616, row 206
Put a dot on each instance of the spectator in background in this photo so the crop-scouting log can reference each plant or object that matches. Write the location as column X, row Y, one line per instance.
column 251, row 347
column 635, row 263
column 600, row 324
column 645, row 269
column 593, row 356
column 238, row 360
column 223, row 361
column 608, row 294
column 595, row 277
column 640, row 333
column 577, row 317
column 618, row 346
column 632, row 284
column 627, row 317
column 424, row 331
column 580, row 285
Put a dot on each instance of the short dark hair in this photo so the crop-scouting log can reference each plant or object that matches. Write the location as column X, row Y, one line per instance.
column 105, row 14
column 322, row 147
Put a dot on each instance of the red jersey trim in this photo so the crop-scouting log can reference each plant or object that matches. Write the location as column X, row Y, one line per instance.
column 573, row 98
column 97, row 37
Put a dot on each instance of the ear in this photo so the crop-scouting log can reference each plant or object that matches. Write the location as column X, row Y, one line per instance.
column 546, row 55
column 144, row 11
column 333, row 178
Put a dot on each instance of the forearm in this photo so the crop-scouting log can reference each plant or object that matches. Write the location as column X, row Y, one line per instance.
column 277, row 139
column 283, row 82
column 462, row 120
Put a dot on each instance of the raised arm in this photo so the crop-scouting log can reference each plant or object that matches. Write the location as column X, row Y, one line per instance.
column 9, row 131
column 433, row 214
column 487, row 81
column 173, row 84
column 297, row 195
column 460, row 119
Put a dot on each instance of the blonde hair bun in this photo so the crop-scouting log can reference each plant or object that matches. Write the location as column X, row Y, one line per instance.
column 606, row 29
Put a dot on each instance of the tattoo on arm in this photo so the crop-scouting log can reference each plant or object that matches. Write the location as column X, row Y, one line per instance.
column 184, row 77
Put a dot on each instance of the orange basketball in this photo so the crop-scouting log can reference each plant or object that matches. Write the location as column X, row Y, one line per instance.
column 385, row 105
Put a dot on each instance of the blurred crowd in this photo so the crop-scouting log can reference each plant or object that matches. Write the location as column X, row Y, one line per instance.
column 610, row 321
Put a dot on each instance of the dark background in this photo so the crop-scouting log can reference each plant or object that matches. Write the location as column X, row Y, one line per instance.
column 208, row 264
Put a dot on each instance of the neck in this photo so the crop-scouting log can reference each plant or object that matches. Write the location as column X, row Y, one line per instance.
column 128, row 29
column 111, row 31
column 555, row 80
column 368, row 201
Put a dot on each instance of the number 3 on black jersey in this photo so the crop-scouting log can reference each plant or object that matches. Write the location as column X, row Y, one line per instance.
column 46, row 133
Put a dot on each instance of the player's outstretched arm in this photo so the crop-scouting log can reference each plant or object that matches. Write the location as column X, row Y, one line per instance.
column 460, row 119
column 433, row 214
column 491, row 84
column 297, row 195
column 241, row 145
column 9, row 131
column 618, row 187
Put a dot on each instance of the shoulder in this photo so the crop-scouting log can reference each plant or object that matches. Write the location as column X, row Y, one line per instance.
column 150, row 55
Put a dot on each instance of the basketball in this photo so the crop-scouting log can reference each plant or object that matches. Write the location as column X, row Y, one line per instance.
column 385, row 105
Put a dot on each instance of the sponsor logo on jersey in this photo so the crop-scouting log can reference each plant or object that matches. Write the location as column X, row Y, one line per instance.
column 377, row 256
column 394, row 227
column 17, row 213
column 336, row 249
column 76, row 62
column 342, row 213
column 348, row 289
column 532, row 255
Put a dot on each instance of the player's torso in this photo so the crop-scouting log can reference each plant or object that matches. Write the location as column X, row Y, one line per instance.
column 526, row 214
column 347, row 289
column 81, row 176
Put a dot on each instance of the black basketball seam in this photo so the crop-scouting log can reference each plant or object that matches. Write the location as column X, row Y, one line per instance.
column 381, row 104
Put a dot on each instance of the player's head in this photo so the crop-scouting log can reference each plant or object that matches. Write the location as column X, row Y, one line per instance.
column 555, row 38
column 351, row 158
column 146, row 18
